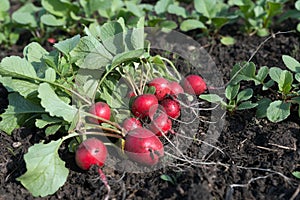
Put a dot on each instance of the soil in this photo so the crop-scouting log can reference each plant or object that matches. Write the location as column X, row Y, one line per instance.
column 255, row 161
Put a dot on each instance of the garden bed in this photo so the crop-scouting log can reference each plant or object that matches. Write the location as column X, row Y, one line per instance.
column 267, row 152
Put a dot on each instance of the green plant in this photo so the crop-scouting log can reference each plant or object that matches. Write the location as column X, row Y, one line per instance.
column 49, row 17
column 169, row 178
column 158, row 14
column 214, row 14
column 258, row 15
column 235, row 99
column 207, row 15
column 292, row 13
column 8, row 32
column 283, row 84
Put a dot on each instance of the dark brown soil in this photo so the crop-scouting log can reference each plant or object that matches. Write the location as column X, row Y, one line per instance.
column 256, row 162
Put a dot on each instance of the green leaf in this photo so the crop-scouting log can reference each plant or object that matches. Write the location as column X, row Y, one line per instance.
column 123, row 57
column 150, row 90
column 297, row 77
column 87, row 82
column 296, row 174
column 244, row 95
column 46, row 172
column 91, row 54
column 136, row 39
column 262, row 107
column 261, row 75
column 24, row 88
column 268, row 84
column 167, row 178
column 205, row 7
column 275, row 73
column 54, row 105
column 259, row 11
column 52, row 124
column 17, row 67
column 246, row 105
column 54, row 60
column 57, row 8
column 191, row 24
column 4, row 5
column 278, row 111
column 227, row 40
column 297, row 5
column 212, row 98
column 286, row 80
column 93, row 30
column 46, row 120
column 26, row 15
column 35, row 54
column 18, row 112
column 168, row 24
column 291, row 63
column 66, row 46
column 162, row 6
column 296, row 100
column 177, row 10
column 134, row 8
column 112, row 37
column 14, row 37
column 231, row 91
column 274, row 8
column 114, row 94
column 244, row 71
column 140, row 23
column 51, row 20
column 50, row 75
column 218, row 22
column 298, row 27
column 52, row 129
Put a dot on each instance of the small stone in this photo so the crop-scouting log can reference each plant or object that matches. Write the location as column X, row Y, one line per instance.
column 16, row 144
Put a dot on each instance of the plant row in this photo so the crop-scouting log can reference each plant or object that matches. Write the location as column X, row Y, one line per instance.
column 44, row 17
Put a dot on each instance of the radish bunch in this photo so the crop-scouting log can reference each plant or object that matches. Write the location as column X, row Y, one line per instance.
column 152, row 116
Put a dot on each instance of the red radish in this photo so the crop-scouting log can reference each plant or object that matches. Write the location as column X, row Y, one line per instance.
column 99, row 109
column 90, row 152
column 171, row 107
column 161, row 87
column 143, row 146
column 142, row 104
column 131, row 123
column 161, row 124
column 175, row 88
column 194, row 84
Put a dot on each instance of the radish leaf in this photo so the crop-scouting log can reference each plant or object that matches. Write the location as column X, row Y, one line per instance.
column 46, row 172
column 67, row 45
column 90, row 54
column 291, row 63
column 286, row 80
column 54, row 105
column 278, row 111
column 18, row 112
